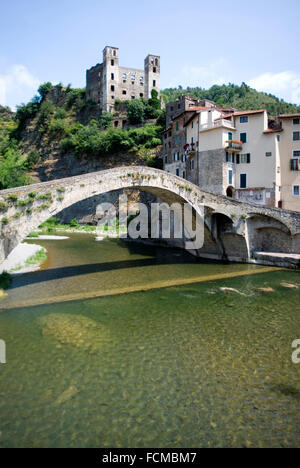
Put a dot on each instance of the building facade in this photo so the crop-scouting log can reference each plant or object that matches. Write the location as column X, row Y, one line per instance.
column 239, row 154
column 108, row 81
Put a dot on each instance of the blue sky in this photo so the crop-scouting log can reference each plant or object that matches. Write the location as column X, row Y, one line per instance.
column 200, row 43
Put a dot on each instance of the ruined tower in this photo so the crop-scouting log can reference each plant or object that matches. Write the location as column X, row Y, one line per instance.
column 152, row 74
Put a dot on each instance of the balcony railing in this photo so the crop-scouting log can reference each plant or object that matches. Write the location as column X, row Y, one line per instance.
column 190, row 149
column 295, row 164
column 217, row 124
column 233, row 146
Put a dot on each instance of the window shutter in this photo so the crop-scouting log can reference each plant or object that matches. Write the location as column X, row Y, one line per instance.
column 248, row 158
column 238, row 159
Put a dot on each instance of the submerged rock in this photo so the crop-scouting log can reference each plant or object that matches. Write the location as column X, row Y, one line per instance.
column 75, row 330
column 67, row 395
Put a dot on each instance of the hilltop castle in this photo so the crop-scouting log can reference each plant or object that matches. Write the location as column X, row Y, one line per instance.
column 108, row 82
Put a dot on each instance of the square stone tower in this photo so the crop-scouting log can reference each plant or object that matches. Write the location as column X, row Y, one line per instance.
column 152, row 74
column 108, row 81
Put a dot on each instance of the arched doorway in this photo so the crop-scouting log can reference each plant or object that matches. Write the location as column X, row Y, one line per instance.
column 230, row 192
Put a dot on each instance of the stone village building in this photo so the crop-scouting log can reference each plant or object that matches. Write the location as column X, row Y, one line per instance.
column 108, row 82
column 241, row 154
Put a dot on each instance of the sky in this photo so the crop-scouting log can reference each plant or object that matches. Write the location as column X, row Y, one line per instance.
column 201, row 43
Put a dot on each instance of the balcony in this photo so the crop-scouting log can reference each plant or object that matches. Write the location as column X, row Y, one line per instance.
column 295, row 164
column 233, row 146
column 190, row 149
column 217, row 124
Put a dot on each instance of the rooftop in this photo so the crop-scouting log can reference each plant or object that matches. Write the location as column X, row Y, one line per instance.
column 289, row 116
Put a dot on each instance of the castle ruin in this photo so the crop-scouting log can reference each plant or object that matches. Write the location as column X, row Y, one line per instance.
column 108, row 82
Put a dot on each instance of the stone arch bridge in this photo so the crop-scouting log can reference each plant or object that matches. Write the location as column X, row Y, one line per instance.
column 233, row 230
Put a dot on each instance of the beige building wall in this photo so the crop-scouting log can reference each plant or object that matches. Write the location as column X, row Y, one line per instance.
column 289, row 178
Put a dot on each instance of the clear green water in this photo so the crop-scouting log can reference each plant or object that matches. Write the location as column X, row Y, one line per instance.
column 184, row 366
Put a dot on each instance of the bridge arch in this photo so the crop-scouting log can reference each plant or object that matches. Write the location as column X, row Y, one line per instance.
column 25, row 208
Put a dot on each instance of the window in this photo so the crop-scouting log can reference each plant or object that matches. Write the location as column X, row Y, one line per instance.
column 154, row 84
column 116, row 123
column 243, row 181
column 177, row 172
column 133, row 77
column 243, row 137
column 227, row 157
column 115, row 53
column 244, row 119
column 192, row 165
column 124, row 92
column 296, row 190
column 296, row 154
column 230, row 158
column 184, row 175
column 154, row 69
column 296, row 136
column 124, row 76
column 176, row 140
column 172, row 108
column 142, row 79
column 113, row 97
column 166, row 159
column 245, row 158
column 183, row 158
column 192, row 124
column 176, row 157
column 230, row 177
column 112, row 88
column 278, row 138
column 141, row 95
column 112, row 63
column 112, row 76
column 268, row 155
column 229, row 136
column 132, row 97
column 296, row 121
column 177, row 125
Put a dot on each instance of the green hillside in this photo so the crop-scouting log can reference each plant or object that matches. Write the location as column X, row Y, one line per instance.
column 240, row 97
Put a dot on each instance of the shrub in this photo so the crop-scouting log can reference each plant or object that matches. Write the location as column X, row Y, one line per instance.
column 59, row 128
column 46, row 112
column 12, row 170
column 136, row 111
column 25, row 202
column 74, row 223
column 5, row 280
column 60, row 113
column 13, row 198
column 32, row 195
column 45, row 196
column 105, row 120
column 3, row 206
column 33, row 235
column 5, row 221
column 44, row 89
column 32, row 160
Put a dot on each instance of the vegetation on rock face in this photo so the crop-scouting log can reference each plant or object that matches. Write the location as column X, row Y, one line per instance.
column 240, row 97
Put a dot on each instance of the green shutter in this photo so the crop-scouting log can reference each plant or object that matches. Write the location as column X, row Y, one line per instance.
column 248, row 158
column 238, row 159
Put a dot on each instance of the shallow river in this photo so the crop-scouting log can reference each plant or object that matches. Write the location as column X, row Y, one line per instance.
column 146, row 359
